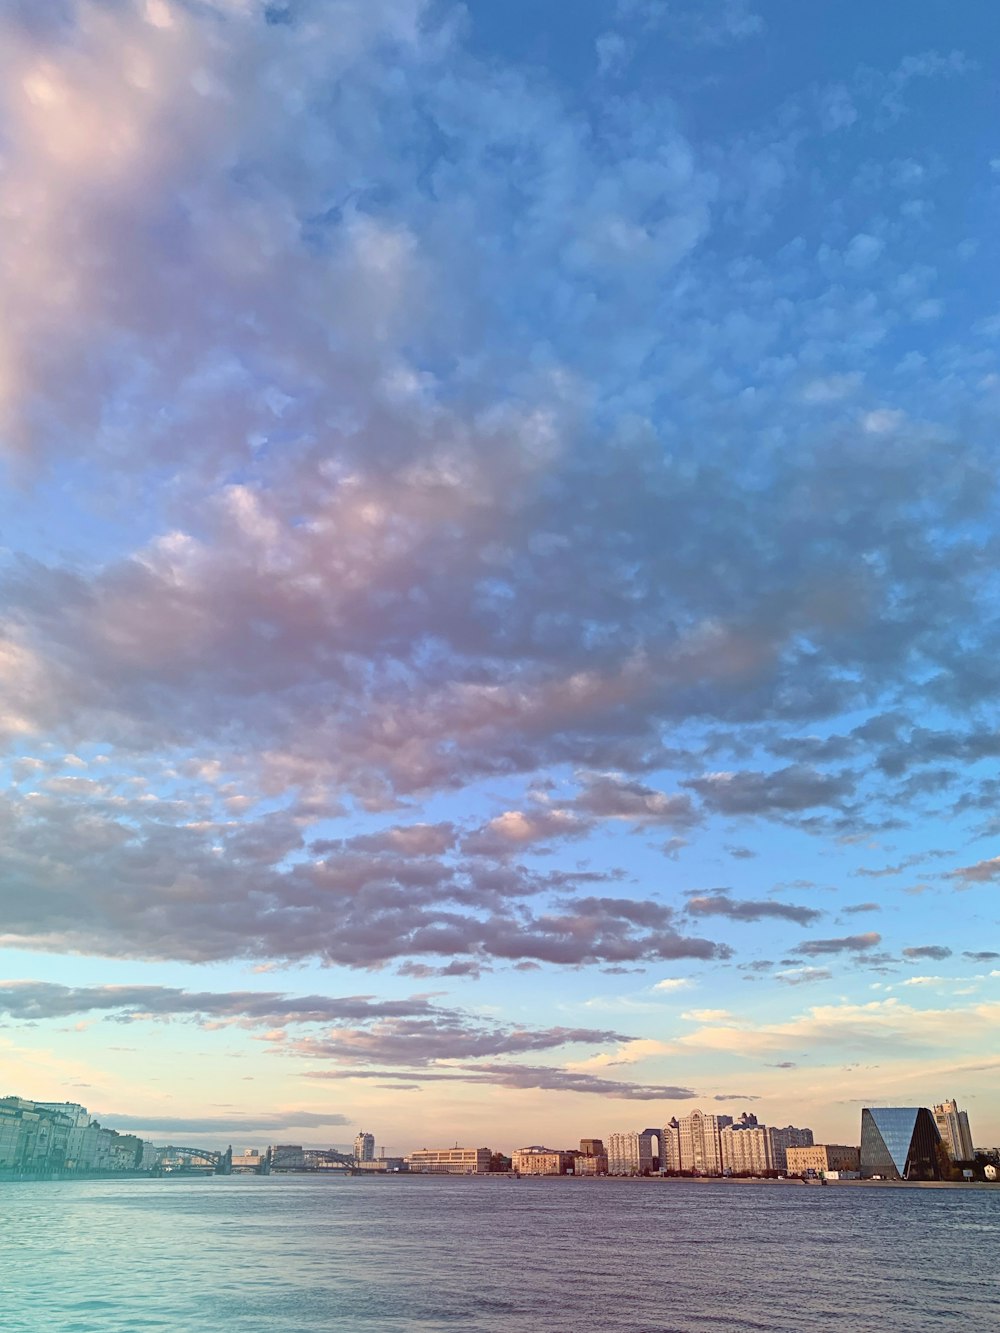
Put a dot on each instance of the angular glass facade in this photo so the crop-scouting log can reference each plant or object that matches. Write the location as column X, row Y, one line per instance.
column 899, row 1143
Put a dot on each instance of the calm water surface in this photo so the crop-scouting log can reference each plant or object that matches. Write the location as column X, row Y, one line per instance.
column 296, row 1255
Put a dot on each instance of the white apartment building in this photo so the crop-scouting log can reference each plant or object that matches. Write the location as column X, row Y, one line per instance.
column 700, row 1144
column 671, row 1146
column 745, row 1149
column 623, row 1154
column 364, row 1147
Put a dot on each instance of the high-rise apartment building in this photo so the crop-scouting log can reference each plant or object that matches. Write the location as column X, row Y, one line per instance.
column 953, row 1126
column 364, row 1147
column 671, row 1146
column 746, row 1149
column 780, row 1140
column 637, row 1153
column 623, row 1154
column 699, row 1144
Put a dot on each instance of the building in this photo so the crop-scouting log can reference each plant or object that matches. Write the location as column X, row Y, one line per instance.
column 780, row 1140
column 450, row 1161
column 592, row 1159
column 899, row 1143
column 953, row 1126
column 539, row 1161
column 364, row 1147
column 623, row 1154
column 44, row 1137
column 746, row 1149
column 250, row 1160
column 633, row 1153
column 822, row 1158
column 671, row 1142
column 377, row 1164
column 288, row 1157
column 699, row 1145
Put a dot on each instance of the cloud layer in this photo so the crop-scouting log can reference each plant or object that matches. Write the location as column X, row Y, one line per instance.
column 456, row 514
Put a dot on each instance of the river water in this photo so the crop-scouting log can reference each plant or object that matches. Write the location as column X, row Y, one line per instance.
column 290, row 1254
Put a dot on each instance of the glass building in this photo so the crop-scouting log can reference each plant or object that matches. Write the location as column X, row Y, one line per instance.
column 899, row 1143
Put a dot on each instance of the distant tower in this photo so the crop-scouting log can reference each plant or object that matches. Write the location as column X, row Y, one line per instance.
column 953, row 1126
column 364, row 1147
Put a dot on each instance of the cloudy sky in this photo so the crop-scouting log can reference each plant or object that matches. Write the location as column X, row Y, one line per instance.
column 501, row 623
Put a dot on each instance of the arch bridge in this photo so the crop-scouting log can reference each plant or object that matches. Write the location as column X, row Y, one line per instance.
column 202, row 1160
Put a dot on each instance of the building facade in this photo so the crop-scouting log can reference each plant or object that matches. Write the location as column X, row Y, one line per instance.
column 671, row 1146
column 288, row 1157
column 899, row 1143
column 822, row 1158
column 635, row 1153
column 623, row 1154
column 699, row 1143
column 42, row 1137
column 539, row 1161
column 780, row 1140
column 364, row 1147
column 449, row 1161
column 953, row 1126
column 745, row 1149
column 592, row 1159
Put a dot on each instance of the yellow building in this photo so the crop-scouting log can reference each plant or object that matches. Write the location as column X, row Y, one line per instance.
column 450, row 1161
column 822, row 1158
column 538, row 1161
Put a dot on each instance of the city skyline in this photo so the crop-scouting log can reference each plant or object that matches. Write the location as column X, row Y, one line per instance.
column 498, row 613
column 62, row 1140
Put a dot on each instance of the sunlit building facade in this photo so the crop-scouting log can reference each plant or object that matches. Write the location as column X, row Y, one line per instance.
column 745, row 1149
column 449, row 1161
column 364, row 1147
column 623, row 1154
column 953, row 1126
column 539, row 1161
column 592, row 1159
column 780, row 1140
column 822, row 1158
column 700, row 1143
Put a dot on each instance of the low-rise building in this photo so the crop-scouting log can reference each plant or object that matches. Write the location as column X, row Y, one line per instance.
column 822, row 1158
column 449, row 1161
column 539, row 1161
column 592, row 1159
column 288, row 1157
column 377, row 1164
column 38, row 1137
column 251, row 1160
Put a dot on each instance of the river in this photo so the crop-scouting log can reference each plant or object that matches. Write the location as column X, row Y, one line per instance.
column 289, row 1254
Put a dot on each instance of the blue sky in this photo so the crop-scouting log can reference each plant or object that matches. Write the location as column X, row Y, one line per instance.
column 499, row 530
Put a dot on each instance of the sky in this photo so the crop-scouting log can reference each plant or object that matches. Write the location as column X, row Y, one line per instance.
column 500, row 629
